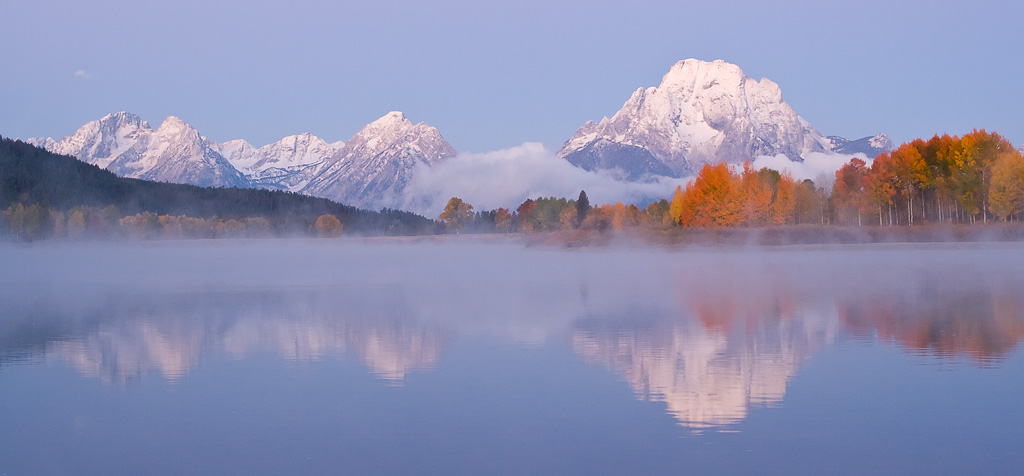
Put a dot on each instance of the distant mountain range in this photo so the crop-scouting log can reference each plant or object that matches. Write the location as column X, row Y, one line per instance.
column 701, row 112
column 368, row 171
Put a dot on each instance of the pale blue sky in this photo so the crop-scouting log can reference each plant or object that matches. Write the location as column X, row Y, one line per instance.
column 494, row 75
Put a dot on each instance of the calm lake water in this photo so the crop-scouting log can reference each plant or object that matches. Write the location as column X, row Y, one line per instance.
column 468, row 357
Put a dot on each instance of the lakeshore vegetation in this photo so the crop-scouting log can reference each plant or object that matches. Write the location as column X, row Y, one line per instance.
column 976, row 178
column 965, row 180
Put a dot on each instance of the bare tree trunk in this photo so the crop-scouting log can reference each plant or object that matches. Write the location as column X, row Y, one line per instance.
column 910, row 208
column 984, row 199
column 924, row 210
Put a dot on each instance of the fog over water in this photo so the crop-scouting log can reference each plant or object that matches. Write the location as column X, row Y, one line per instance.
column 534, row 344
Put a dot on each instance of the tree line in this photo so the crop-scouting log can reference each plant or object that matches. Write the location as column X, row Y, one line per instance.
column 34, row 222
column 978, row 177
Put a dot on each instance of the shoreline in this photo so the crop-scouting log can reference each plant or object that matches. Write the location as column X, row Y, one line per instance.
column 673, row 238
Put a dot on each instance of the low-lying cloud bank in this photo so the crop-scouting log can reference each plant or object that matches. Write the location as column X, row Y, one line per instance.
column 506, row 178
column 820, row 167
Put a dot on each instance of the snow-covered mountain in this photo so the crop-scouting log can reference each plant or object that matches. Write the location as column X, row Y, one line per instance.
column 375, row 165
column 287, row 164
column 870, row 146
column 368, row 171
column 41, row 142
column 126, row 145
column 100, row 142
column 701, row 112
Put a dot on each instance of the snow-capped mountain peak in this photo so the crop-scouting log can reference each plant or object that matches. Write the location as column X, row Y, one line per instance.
column 303, row 149
column 126, row 145
column 389, row 120
column 702, row 111
column 104, row 139
column 881, row 141
column 299, row 149
column 870, row 146
column 287, row 164
column 393, row 135
column 174, row 124
column 374, row 165
column 124, row 118
column 690, row 75
column 239, row 152
column 173, row 129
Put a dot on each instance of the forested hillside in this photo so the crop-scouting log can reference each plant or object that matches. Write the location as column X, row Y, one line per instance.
column 36, row 185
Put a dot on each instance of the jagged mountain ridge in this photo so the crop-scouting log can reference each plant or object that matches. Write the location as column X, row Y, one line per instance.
column 702, row 112
column 126, row 145
column 375, row 165
column 287, row 164
column 870, row 146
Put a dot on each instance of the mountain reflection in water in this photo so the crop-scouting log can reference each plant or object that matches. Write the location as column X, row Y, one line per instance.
column 737, row 337
column 729, row 346
column 171, row 333
column 710, row 334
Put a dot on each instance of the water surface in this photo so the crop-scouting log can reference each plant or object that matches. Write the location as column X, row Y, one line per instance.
column 380, row 357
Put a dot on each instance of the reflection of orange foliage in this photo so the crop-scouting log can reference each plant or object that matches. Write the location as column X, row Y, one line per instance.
column 982, row 325
column 717, row 311
column 723, row 305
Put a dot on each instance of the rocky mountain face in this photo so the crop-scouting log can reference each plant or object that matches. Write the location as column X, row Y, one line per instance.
column 287, row 164
column 369, row 171
column 702, row 112
column 375, row 165
column 126, row 145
